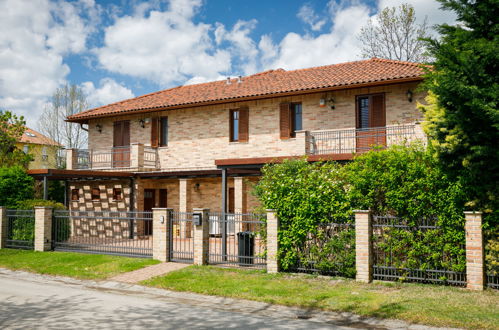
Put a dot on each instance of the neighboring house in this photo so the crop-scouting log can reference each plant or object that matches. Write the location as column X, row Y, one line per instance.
column 203, row 145
column 44, row 150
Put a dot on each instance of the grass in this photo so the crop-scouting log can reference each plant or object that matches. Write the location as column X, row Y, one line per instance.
column 78, row 265
column 416, row 303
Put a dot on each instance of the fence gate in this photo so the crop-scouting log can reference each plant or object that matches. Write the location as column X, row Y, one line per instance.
column 117, row 233
column 20, row 229
column 181, row 237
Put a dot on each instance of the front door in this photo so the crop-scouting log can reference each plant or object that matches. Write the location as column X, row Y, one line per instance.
column 371, row 122
column 149, row 204
column 121, row 144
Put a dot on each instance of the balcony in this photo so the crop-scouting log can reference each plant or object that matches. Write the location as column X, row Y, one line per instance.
column 135, row 157
column 348, row 141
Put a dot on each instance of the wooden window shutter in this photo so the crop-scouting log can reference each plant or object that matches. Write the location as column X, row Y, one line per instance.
column 243, row 124
column 154, row 132
column 378, row 113
column 117, row 133
column 285, row 120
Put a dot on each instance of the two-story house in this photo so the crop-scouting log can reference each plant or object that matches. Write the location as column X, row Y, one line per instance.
column 203, row 145
column 44, row 150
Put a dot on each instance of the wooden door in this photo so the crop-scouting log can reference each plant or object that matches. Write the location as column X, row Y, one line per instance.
column 163, row 198
column 149, row 204
column 371, row 122
column 121, row 144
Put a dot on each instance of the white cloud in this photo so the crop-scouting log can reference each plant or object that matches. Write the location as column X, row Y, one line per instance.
column 36, row 35
column 308, row 16
column 109, row 91
column 166, row 47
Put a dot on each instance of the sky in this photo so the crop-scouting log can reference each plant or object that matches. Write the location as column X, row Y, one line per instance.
column 120, row 49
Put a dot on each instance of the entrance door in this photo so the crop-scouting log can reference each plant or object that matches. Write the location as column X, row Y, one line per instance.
column 163, row 198
column 149, row 204
column 371, row 122
column 121, row 144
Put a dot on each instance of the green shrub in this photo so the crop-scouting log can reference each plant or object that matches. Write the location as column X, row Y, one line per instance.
column 29, row 204
column 15, row 185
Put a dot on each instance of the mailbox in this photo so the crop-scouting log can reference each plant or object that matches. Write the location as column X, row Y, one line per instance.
column 197, row 218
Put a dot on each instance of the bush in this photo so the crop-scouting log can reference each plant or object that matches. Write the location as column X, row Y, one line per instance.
column 29, row 204
column 15, row 185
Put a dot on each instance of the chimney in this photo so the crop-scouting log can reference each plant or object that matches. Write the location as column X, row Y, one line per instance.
column 240, row 80
column 228, row 80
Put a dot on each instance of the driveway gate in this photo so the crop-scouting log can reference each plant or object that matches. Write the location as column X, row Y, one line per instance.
column 181, row 237
column 117, row 233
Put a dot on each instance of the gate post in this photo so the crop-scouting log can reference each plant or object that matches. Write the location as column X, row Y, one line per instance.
column 202, row 237
column 475, row 270
column 272, row 241
column 161, row 220
column 43, row 228
column 4, row 226
column 363, row 246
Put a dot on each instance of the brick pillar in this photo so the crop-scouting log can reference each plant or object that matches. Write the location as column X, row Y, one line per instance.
column 272, row 241
column 201, row 238
column 475, row 262
column 71, row 159
column 4, row 226
column 43, row 228
column 363, row 246
column 302, row 139
column 161, row 233
column 137, row 156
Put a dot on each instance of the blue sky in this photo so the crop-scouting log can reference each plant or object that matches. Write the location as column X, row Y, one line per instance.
column 119, row 49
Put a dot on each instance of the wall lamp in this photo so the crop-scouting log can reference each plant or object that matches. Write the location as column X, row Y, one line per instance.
column 409, row 95
column 98, row 127
column 143, row 122
column 196, row 187
column 324, row 101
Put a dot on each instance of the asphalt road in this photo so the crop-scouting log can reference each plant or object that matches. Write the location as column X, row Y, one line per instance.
column 27, row 303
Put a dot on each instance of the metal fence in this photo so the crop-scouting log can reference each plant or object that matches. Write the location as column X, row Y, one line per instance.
column 491, row 241
column 108, row 232
column 237, row 239
column 406, row 250
column 20, row 229
column 181, row 237
column 329, row 249
column 347, row 141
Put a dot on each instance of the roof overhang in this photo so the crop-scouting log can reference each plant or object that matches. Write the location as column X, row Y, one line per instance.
column 260, row 161
column 56, row 174
column 84, row 120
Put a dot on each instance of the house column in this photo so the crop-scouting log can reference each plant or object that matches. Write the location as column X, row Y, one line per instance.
column 71, row 159
column 161, row 219
column 137, row 156
column 4, row 226
column 475, row 262
column 302, row 139
column 201, row 238
column 363, row 246
column 43, row 228
column 184, row 205
column 239, row 201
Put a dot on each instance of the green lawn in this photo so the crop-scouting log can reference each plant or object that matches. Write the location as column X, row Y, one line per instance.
column 426, row 304
column 79, row 265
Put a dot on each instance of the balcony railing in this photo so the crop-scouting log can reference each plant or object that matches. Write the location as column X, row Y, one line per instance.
column 347, row 141
column 135, row 157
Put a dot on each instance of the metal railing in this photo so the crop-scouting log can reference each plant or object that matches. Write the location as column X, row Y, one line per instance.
column 237, row 239
column 116, row 158
column 20, row 229
column 398, row 254
column 181, row 237
column 347, row 141
column 124, row 233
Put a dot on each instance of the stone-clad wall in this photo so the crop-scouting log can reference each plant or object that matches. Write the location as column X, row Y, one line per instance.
column 199, row 136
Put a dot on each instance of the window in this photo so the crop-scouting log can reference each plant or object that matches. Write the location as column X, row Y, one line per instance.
column 26, row 148
column 117, row 194
column 234, row 125
column 75, row 194
column 371, row 111
column 296, row 118
column 163, row 138
column 45, row 156
column 95, row 194
column 290, row 119
column 239, row 125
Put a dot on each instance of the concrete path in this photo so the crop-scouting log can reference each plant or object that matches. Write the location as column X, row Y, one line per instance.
column 148, row 272
column 29, row 301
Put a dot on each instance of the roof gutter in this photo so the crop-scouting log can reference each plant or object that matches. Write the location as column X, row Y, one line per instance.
column 85, row 120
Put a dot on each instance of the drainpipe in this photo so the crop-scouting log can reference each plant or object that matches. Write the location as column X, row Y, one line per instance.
column 224, row 216
column 45, row 188
column 66, row 202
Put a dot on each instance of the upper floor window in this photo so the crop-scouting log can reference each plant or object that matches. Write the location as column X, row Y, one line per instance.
column 163, row 129
column 290, row 119
column 95, row 194
column 45, row 155
column 239, row 122
column 371, row 111
column 25, row 148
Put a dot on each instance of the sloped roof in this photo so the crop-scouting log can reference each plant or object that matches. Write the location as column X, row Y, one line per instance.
column 32, row 136
column 265, row 84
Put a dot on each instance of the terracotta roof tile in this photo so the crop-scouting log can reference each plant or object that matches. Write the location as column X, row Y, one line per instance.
column 32, row 136
column 262, row 84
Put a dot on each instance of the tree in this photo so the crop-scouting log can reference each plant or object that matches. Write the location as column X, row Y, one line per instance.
column 17, row 177
column 395, row 35
column 11, row 130
column 66, row 101
column 462, row 115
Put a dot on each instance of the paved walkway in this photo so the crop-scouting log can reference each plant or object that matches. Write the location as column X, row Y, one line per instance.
column 148, row 272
